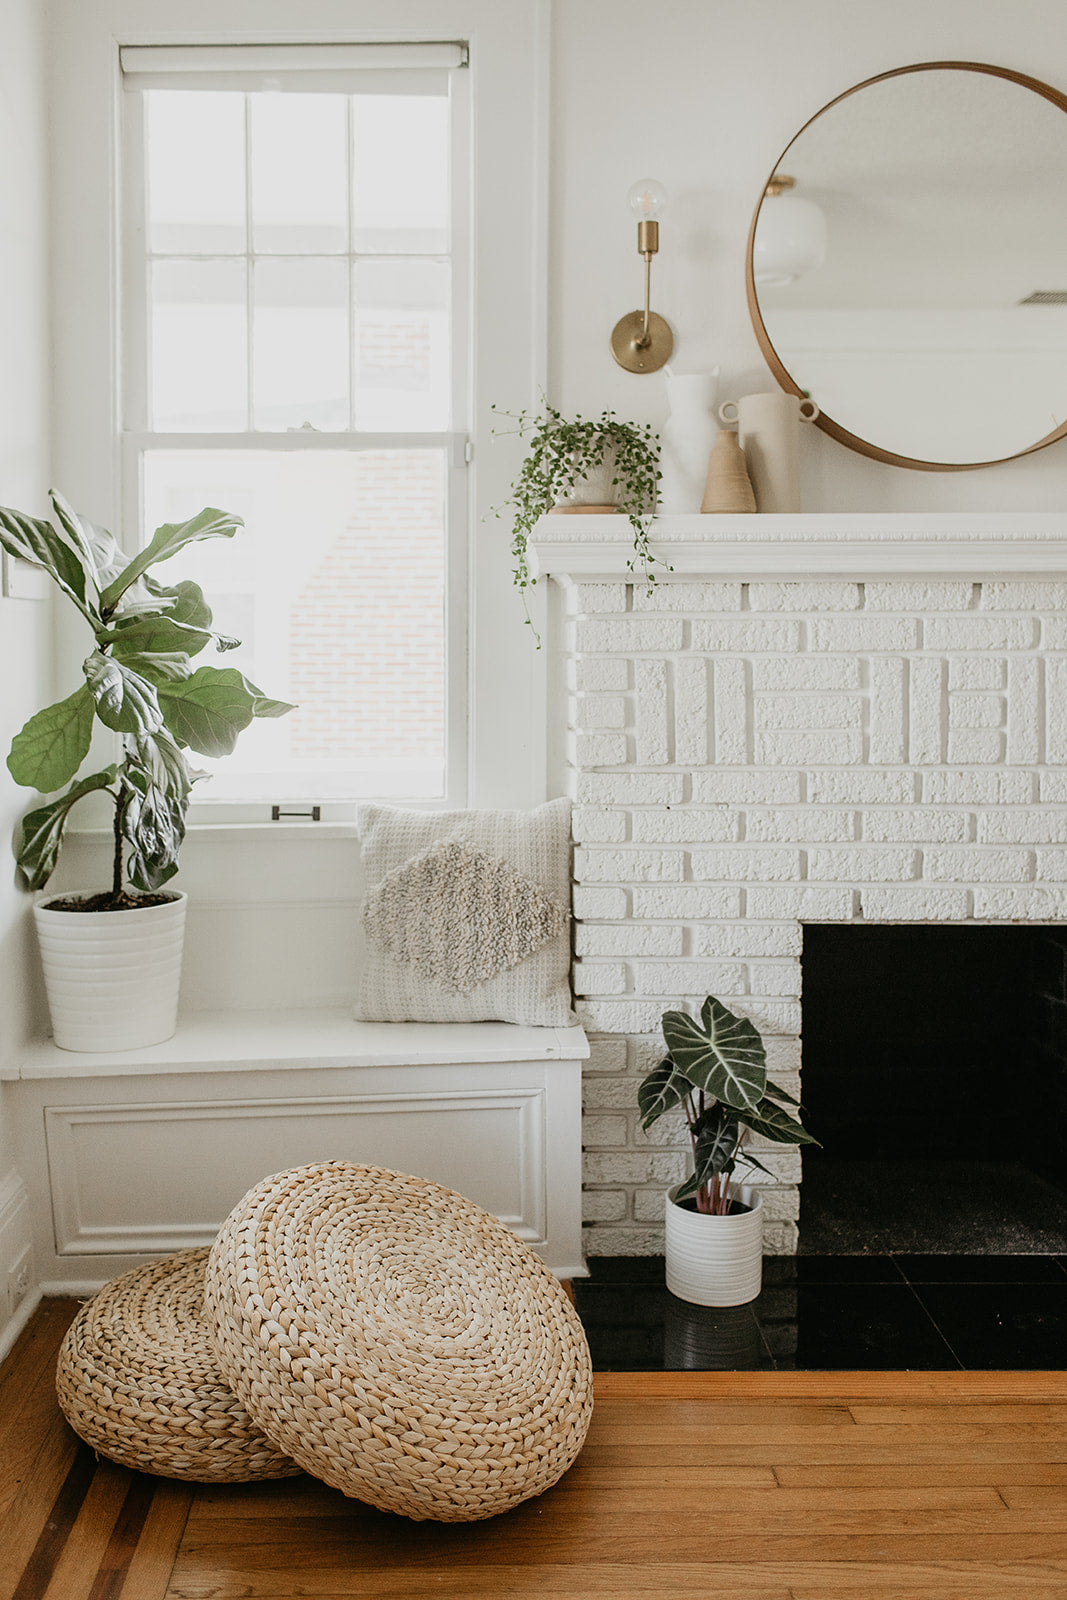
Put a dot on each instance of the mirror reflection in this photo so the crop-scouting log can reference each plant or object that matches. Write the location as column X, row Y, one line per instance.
column 908, row 265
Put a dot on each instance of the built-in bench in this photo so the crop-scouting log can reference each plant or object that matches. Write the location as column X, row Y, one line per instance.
column 135, row 1153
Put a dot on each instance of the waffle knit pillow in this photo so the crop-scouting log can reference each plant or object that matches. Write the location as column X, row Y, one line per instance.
column 466, row 916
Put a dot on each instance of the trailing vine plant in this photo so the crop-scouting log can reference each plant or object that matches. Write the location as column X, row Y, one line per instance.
column 560, row 452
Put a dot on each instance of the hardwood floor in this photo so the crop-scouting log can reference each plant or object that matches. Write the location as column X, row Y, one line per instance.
column 770, row 1486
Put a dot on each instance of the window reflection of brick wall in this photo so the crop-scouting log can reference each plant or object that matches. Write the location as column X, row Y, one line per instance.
column 394, row 354
column 367, row 630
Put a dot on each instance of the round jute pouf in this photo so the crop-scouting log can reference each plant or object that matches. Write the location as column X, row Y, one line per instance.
column 398, row 1341
column 138, row 1379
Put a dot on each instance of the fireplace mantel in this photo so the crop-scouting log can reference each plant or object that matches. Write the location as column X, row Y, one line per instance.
column 859, row 545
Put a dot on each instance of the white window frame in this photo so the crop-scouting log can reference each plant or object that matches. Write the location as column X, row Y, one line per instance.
column 501, row 700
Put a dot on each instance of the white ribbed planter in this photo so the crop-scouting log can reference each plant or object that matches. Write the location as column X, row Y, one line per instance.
column 715, row 1261
column 112, row 977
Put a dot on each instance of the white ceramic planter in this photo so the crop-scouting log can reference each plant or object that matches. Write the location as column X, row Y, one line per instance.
column 716, row 1261
column 112, row 977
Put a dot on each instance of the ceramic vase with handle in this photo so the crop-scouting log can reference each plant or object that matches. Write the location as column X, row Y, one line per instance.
column 686, row 439
column 768, row 428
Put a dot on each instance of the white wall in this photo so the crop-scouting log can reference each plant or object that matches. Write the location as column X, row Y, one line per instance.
column 705, row 95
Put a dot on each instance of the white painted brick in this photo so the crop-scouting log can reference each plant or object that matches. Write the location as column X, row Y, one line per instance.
column 731, row 711
column 918, row 824
column 977, row 788
column 626, row 939
column 686, row 902
column 1023, row 825
column 770, row 1016
column 1054, row 787
column 915, row 597
column 862, row 788
column 605, row 1055
column 745, row 635
column 603, row 676
column 596, row 825
column 594, row 713
column 977, row 672
column 599, row 1130
column 780, row 1204
column 598, row 902
column 1023, row 594
column 667, row 978
column 1037, row 904
column 799, row 825
column 609, row 1094
column 780, row 674
column 619, row 1016
column 975, row 744
column 807, row 904
column 691, row 711
column 1056, row 710
column 774, row 978
column 595, row 598
column 926, row 705
column 783, row 1062
column 612, row 1241
column 862, row 634
column 803, row 596
column 830, row 748
column 644, row 1054
column 649, row 1205
column 782, row 1161
column 979, row 633
column 616, row 1167
column 1024, row 713
column 650, row 682
column 914, row 905
column 748, row 939
column 1054, row 633
column 974, row 865
column 1051, row 866
column 746, row 788
column 743, row 865
column 862, row 865
column 686, row 824
column 808, row 711
column 628, row 866
column 626, row 635
column 978, row 710
column 600, row 978
column 680, row 595
column 780, row 1239
column 888, row 703
column 629, row 788
column 601, row 750
column 604, row 1205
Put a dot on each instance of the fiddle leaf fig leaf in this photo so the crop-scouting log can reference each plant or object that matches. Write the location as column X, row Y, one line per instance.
column 153, row 825
column 30, row 539
column 168, row 666
column 264, row 706
column 663, row 1089
column 40, row 832
column 125, row 701
column 53, row 744
column 80, row 534
column 208, row 710
column 725, row 1056
column 155, row 759
column 166, row 542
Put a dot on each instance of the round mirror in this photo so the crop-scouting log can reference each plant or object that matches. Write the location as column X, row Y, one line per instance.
column 907, row 266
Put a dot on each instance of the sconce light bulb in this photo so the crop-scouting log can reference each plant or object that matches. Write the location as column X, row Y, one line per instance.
column 648, row 199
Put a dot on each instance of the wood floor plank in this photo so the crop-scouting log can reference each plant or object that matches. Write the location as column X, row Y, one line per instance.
column 27, row 1401
column 938, row 1387
column 28, row 1515
column 75, row 1573
column 988, row 1473
column 150, row 1568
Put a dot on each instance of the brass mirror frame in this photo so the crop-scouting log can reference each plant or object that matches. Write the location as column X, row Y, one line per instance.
column 785, row 379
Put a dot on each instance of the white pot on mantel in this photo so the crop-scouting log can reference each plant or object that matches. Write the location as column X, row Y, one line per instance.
column 716, row 1261
column 112, row 977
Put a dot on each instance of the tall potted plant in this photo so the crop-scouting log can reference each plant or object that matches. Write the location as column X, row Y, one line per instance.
column 112, row 959
column 716, row 1073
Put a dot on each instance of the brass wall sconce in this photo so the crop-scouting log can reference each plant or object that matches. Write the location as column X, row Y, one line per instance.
column 643, row 341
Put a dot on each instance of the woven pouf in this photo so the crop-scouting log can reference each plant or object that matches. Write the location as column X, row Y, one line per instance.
column 139, row 1380
column 398, row 1341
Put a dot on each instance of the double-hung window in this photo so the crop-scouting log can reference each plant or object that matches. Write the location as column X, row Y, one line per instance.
column 294, row 330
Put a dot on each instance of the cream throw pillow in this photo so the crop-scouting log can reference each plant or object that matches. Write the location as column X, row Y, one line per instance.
column 466, row 916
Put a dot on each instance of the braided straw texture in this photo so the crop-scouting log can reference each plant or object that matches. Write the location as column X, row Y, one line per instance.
column 138, row 1379
column 399, row 1342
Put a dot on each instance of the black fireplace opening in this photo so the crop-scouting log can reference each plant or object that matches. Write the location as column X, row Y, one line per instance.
column 935, row 1076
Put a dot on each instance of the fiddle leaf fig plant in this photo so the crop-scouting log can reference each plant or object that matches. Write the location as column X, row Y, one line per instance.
column 716, row 1072
column 140, row 683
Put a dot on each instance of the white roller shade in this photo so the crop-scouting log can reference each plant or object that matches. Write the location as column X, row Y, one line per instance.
column 345, row 68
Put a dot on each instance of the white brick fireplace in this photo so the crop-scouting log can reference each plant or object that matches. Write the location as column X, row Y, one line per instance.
column 833, row 719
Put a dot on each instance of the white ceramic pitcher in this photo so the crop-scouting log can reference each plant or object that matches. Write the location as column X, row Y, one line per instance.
column 768, row 429
column 686, row 439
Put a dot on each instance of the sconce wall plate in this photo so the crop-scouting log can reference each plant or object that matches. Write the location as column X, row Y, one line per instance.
column 632, row 351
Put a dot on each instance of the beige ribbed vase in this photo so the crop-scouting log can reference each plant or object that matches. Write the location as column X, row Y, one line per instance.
column 716, row 1261
column 727, row 487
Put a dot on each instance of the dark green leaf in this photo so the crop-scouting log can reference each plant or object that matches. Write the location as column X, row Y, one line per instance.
column 153, row 825
column 663, row 1089
column 125, row 701
column 716, row 1137
column 186, row 624
column 53, row 744
column 166, row 542
column 154, row 759
column 208, row 710
column 771, row 1122
column 29, row 539
column 725, row 1057
column 167, row 666
column 40, row 832
column 780, row 1094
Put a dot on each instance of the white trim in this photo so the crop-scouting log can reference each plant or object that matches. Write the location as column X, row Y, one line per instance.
column 151, row 61
column 27, row 1306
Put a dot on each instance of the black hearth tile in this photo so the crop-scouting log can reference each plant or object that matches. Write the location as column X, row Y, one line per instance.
column 712, row 1339
column 830, row 1269
column 865, row 1327
column 1063, row 1263
column 620, row 1305
column 998, row 1328
column 980, row 1269
column 624, row 1269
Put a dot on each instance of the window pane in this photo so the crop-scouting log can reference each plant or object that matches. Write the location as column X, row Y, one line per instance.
column 403, row 351
column 198, row 357
column 195, row 170
column 299, row 173
column 300, row 344
column 400, row 173
column 337, row 589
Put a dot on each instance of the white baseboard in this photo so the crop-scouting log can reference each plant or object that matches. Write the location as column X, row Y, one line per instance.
column 27, row 1306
